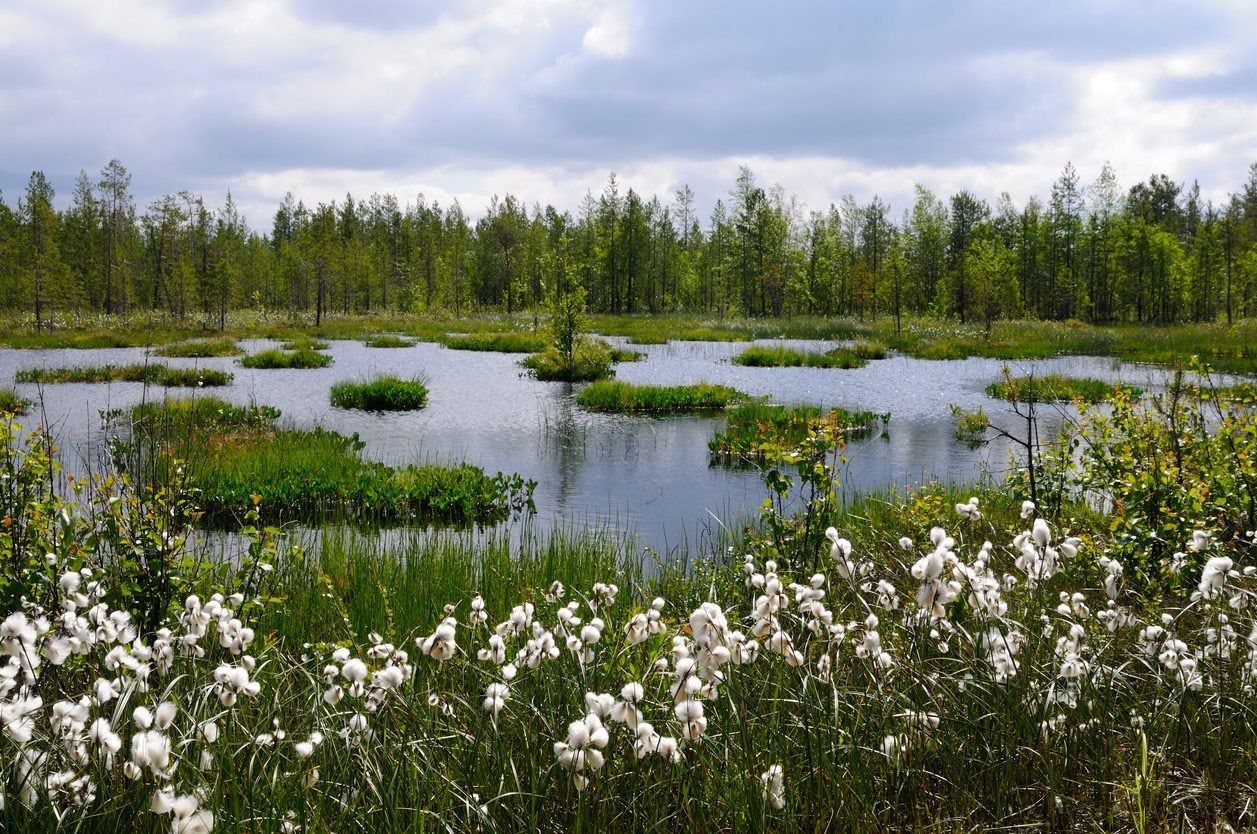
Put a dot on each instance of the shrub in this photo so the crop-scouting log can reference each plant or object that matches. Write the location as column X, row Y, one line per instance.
column 384, row 393
column 616, row 396
column 279, row 359
column 592, row 362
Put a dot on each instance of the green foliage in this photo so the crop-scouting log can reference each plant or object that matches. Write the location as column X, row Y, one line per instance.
column 304, row 343
column 150, row 374
column 758, row 356
column 971, row 425
column 232, row 454
column 624, row 397
column 12, row 403
column 759, row 429
column 384, row 393
column 387, row 340
column 592, row 361
column 1055, row 388
column 497, row 342
column 278, row 359
column 201, row 348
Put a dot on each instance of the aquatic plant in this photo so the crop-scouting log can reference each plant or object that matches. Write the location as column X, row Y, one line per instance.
column 201, row 348
column 591, row 361
column 12, row 403
column 757, row 428
column 279, row 359
column 511, row 342
column 387, row 340
column 150, row 374
column 383, row 393
column 624, row 397
column 1055, row 388
column 761, row 356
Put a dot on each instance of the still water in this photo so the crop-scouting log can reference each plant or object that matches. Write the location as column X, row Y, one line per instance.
column 649, row 475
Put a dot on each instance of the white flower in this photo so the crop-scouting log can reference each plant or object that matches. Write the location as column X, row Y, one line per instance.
column 1027, row 509
column 583, row 749
column 969, row 510
column 774, row 787
column 495, row 696
column 1199, row 541
column 1213, row 577
column 441, row 644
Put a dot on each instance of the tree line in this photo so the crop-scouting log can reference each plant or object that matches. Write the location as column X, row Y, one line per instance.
column 1156, row 252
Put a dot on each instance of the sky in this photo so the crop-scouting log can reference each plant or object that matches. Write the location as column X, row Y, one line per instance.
column 543, row 98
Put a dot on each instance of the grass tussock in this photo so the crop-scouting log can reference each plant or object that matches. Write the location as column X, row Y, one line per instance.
column 384, row 393
column 12, row 402
column 754, row 429
column 498, row 342
column 304, row 343
column 234, row 453
column 151, row 374
column 623, row 397
column 281, row 359
column 201, row 348
column 762, row 356
column 1055, row 388
column 388, row 340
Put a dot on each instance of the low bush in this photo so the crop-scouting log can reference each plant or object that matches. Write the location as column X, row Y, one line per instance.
column 13, row 403
column 592, row 361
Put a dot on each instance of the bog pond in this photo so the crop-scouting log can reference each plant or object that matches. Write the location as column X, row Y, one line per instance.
column 649, row 475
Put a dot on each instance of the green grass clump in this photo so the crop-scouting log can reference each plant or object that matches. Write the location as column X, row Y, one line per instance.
column 304, row 343
column 758, row 356
column 278, row 359
column 232, row 453
column 201, row 348
column 1055, row 388
column 756, row 428
column 148, row 374
column 13, row 403
column 626, row 355
column 617, row 396
column 498, row 342
column 592, row 362
column 384, row 393
column 387, row 340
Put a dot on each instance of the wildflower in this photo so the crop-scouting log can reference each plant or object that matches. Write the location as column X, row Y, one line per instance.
column 693, row 722
column 441, row 644
column 478, row 615
column 774, row 787
column 495, row 698
column 187, row 815
column 1199, row 541
column 840, row 552
column 583, row 749
column 1213, row 577
column 151, row 749
column 1027, row 509
column 969, row 509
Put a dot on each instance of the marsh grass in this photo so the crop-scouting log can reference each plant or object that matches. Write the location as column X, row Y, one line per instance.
column 304, row 343
column 761, row 356
column 233, row 453
column 755, row 428
column 498, row 342
column 1055, row 388
column 279, row 359
column 149, row 374
column 13, row 403
column 384, row 393
column 387, row 340
column 201, row 348
column 623, row 397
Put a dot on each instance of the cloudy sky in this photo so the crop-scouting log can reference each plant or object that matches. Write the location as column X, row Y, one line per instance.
column 543, row 97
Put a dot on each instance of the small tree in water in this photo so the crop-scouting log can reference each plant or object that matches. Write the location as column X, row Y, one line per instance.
column 567, row 322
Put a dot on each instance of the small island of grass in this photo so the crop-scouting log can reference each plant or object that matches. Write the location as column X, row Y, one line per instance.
column 846, row 358
column 387, row 340
column 384, row 393
column 148, row 374
column 280, row 359
column 1055, row 388
column 756, row 427
column 201, row 348
column 510, row 342
column 623, row 397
